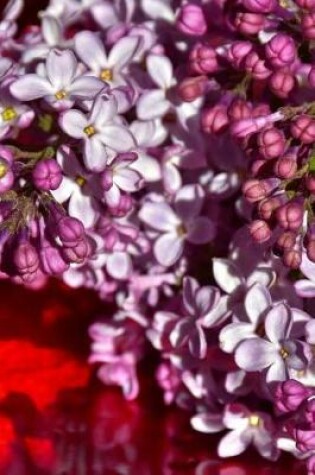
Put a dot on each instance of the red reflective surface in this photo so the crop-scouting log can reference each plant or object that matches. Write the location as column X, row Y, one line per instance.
column 56, row 419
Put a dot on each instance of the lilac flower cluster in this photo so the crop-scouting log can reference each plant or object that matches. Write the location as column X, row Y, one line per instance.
column 161, row 153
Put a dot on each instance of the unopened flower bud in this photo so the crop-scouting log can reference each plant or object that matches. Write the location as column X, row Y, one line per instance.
column 281, row 83
column 308, row 25
column 26, row 258
column 303, row 129
column 255, row 190
column 289, row 395
column 191, row 20
column 47, row 175
column 306, row 4
column 238, row 52
column 239, row 109
column 281, row 50
column 290, row 215
column 52, row 261
column 285, row 167
column 256, row 66
column 271, row 143
column 203, row 59
column 77, row 253
column 249, row 23
column 214, row 119
column 191, row 88
column 292, row 258
column 259, row 6
column 70, row 231
column 260, row 231
column 286, row 240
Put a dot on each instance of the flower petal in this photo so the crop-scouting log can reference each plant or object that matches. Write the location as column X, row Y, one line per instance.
column 161, row 70
column 278, row 323
column 168, row 249
column 30, row 87
column 61, row 68
column 233, row 443
column 90, row 50
column 86, row 87
column 207, row 423
column 255, row 354
column 257, row 300
column 152, row 105
column 122, row 52
column 189, row 201
column 81, row 207
column 233, row 334
column 117, row 138
column 305, row 288
column 73, row 123
column 227, row 275
column 201, row 231
column 95, row 156
column 119, row 265
column 159, row 216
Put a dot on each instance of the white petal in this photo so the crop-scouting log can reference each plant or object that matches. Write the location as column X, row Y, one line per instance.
column 161, row 70
column 207, row 423
column 233, row 443
column 305, row 288
column 277, row 371
column 30, row 87
column 122, row 52
column 255, row 354
column 233, row 334
column 152, row 105
column 61, row 68
column 119, row 265
column 257, row 300
column 81, row 207
column 168, row 249
column 278, row 323
column 117, row 138
column 148, row 167
column 73, row 123
column 159, row 216
column 65, row 190
column 227, row 275
column 95, row 156
column 90, row 50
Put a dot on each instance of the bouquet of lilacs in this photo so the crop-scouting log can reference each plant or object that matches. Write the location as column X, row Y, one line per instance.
column 161, row 152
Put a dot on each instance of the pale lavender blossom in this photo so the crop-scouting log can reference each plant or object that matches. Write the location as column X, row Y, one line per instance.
column 178, row 225
column 246, row 428
column 61, row 86
column 14, row 115
column 111, row 68
column 276, row 353
column 101, row 130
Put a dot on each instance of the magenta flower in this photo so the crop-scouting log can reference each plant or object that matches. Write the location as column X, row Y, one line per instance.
column 61, row 86
column 101, row 131
column 178, row 225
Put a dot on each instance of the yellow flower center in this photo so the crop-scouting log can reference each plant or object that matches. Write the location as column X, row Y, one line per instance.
column 3, row 168
column 89, row 130
column 9, row 113
column 181, row 230
column 284, row 3
column 106, row 75
column 80, row 180
column 60, row 95
column 284, row 353
column 254, row 420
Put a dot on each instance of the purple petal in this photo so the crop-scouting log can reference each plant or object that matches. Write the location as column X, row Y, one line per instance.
column 201, row 231
column 197, row 343
column 190, row 287
column 181, row 332
column 189, row 201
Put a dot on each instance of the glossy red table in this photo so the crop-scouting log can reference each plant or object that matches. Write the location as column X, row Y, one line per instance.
column 55, row 418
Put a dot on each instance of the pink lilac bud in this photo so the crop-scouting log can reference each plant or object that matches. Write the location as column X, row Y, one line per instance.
column 286, row 240
column 191, row 88
column 124, row 207
column 70, row 231
column 310, row 183
column 290, row 215
column 285, row 167
column 26, row 258
column 203, row 59
column 191, row 20
column 281, row 83
column 306, row 4
column 289, row 395
column 52, row 261
column 77, row 253
column 303, row 129
column 311, row 76
column 292, row 258
column 267, row 207
column 214, row 119
column 271, row 143
column 249, row 23
column 239, row 109
column 308, row 25
column 311, row 465
column 281, row 50
column 259, row 6
column 260, row 231
column 305, row 440
column 310, row 412
column 238, row 52
column 262, row 110
column 255, row 190
column 255, row 66
column 47, row 175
